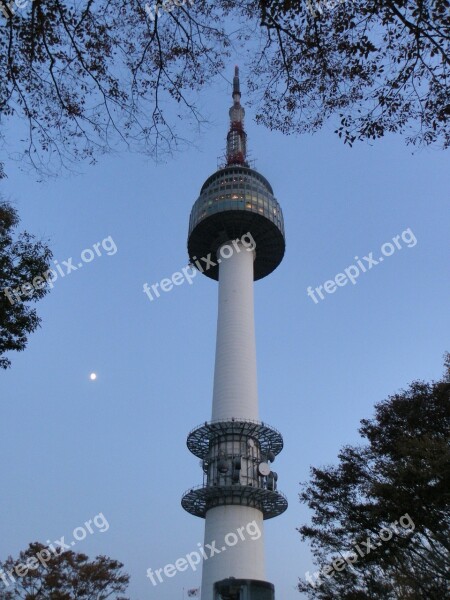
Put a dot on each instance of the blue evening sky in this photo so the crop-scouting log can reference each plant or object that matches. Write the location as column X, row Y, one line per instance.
column 73, row 448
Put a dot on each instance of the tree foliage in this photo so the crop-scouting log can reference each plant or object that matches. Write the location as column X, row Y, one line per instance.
column 93, row 76
column 61, row 576
column 404, row 468
column 380, row 65
column 22, row 258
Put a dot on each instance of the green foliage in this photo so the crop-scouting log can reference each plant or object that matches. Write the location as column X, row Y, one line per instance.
column 22, row 258
column 62, row 576
column 404, row 468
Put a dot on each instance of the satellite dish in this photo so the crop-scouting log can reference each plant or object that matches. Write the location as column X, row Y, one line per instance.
column 270, row 456
column 263, row 469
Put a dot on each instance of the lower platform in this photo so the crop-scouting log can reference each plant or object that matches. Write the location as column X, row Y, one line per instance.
column 199, row 500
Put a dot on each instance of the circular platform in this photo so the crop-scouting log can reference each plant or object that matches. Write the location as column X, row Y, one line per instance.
column 197, row 501
column 200, row 438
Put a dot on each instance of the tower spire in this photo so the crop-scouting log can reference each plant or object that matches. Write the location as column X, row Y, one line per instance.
column 236, row 138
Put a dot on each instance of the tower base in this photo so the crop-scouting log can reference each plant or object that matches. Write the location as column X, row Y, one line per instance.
column 243, row 589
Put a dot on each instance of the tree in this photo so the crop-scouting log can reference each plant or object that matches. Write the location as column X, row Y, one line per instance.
column 379, row 65
column 90, row 77
column 41, row 574
column 381, row 517
column 24, row 261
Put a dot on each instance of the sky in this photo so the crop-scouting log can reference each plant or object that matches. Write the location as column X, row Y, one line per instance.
column 113, row 451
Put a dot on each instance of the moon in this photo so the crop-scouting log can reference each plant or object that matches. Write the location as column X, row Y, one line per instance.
column 93, row 376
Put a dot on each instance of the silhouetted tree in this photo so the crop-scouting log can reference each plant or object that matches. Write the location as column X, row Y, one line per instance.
column 379, row 65
column 23, row 261
column 40, row 573
column 89, row 77
column 381, row 517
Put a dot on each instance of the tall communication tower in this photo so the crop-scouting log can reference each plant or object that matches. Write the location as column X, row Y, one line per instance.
column 238, row 223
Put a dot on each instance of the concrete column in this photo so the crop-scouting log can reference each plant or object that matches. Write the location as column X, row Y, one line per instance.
column 235, row 385
column 241, row 554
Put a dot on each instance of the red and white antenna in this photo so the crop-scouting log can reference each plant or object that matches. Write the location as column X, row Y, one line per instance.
column 236, row 138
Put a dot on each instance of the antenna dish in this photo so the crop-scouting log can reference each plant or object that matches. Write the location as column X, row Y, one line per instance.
column 263, row 469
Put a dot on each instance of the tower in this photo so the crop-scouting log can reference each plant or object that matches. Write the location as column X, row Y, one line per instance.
column 236, row 236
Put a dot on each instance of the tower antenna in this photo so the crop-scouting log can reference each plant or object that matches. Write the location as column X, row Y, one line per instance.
column 236, row 138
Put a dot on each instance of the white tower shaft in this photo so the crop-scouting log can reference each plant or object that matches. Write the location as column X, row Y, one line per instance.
column 235, row 383
column 235, row 396
column 245, row 559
